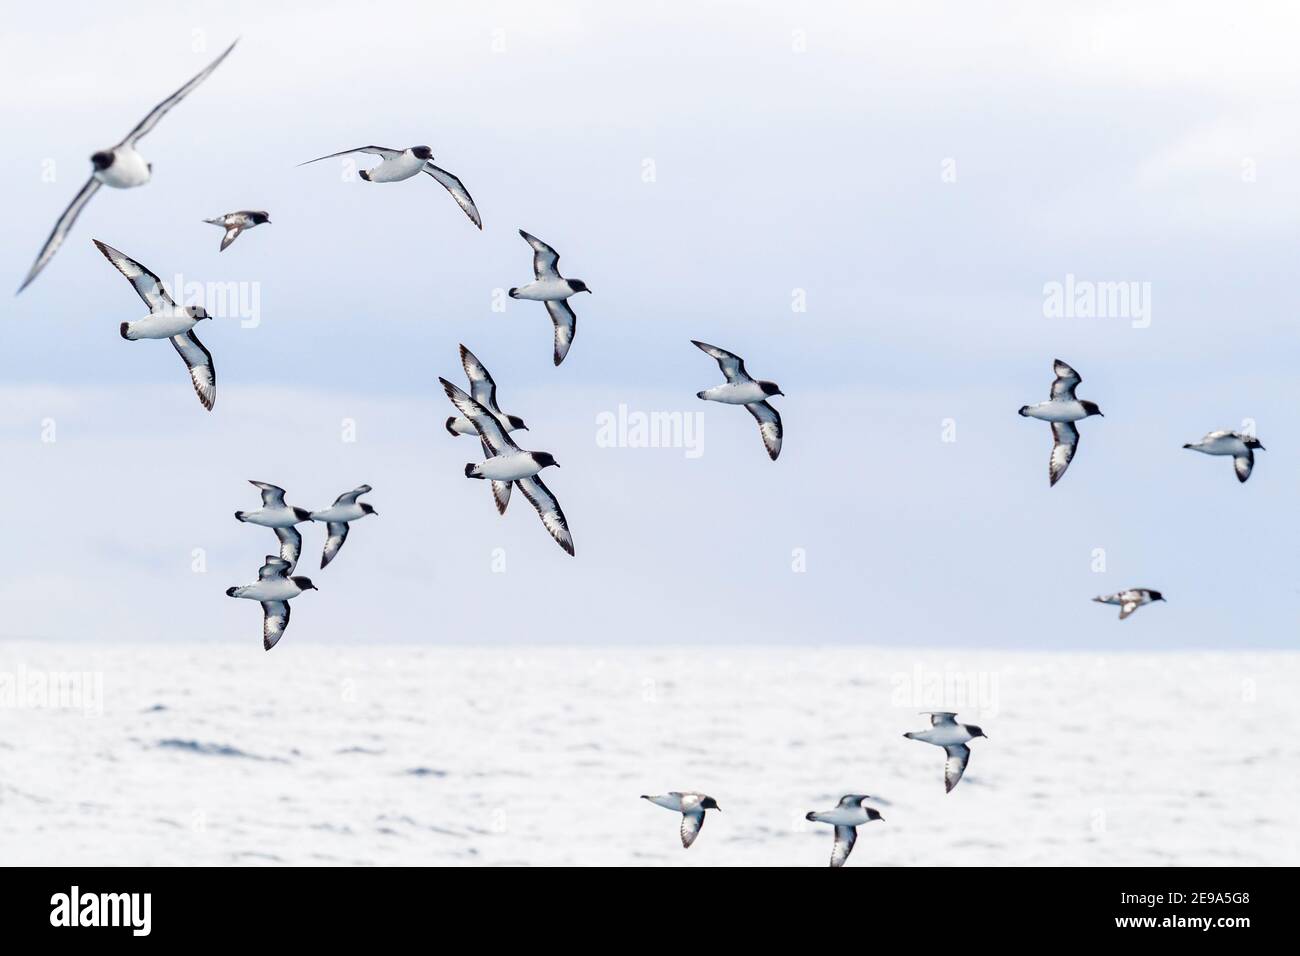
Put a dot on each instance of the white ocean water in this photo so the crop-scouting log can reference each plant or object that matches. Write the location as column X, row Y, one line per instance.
column 209, row 754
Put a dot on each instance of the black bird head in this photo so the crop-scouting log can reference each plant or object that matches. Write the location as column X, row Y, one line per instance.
column 259, row 218
column 975, row 731
column 102, row 160
column 1091, row 408
column 422, row 152
column 873, row 815
column 368, row 509
column 545, row 459
column 1157, row 596
column 516, row 422
column 1253, row 442
column 577, row 285
column 708, row 803
column 304, row 584
column 771, row 388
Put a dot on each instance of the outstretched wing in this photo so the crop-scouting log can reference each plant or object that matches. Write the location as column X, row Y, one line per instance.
column 1242, row 464
column 275, row 618
column 1127, row 608
column 147, row 285
column 272, row 495
column 845, row 837
column 457, row 190
column 232, row 233
column 938, row 717
column 481, row 387
column 546, row 261
column 566, row 326
column 485, row 423
column 733, row 366
column 1067, row 379
column 548, row 508
column 769, row 426
column 274, row 568
column 350, row 497
column 501, row 495
column 382, row 151
column 1065, row 440
column 290, row 545
column 159, row 111
column 955, row 765
column 60, row 231
column 199, row 362
column 338, row 533
column 692, row 820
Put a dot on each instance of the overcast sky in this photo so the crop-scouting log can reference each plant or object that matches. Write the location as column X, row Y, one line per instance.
column 915, row 174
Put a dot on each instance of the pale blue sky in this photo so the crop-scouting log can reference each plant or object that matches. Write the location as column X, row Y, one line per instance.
column 1107, row 143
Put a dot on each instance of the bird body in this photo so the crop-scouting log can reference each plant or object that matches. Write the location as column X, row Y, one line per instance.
column 1239, row 445
column 1130, row 600
column 945, row 732
column 691, row 805
column 1062, row 410
column 849, row 814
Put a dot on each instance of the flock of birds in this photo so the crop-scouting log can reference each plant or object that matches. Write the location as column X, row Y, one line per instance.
column 505, row 465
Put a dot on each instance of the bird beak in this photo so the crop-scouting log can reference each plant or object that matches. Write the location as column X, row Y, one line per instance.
column 375, row 513
column 557, row 464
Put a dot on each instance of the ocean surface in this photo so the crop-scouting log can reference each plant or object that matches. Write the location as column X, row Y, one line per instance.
column 315, row 754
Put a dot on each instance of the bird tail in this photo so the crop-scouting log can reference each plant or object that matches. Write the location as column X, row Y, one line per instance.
column 215, row 222
column 364, row 174
column 239, row 516
column 122, row 329
column 230, row 592
column 1188, row 445
column 699, row 395
column 470, row 469
column 451, row 431
column 513, row 293
column 811, row 816
column 1024, row 411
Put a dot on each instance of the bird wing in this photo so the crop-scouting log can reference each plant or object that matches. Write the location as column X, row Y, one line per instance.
column 485, row 423
column 274, row 568
column 566, row 326
column 692, row 820
column 275, row 618
column 350, row 497
column 1065, row 440
column 232, row 233
column 1065, row 382
column 338, row 533
column 938, row 717
column 852, row 799
column 159, row 111
column 501, row 495
column 458, row 191
column 548, row 508
column 1127, row 608
column 481, row 387
column 290, row 545
column 769, row 426
column 147, row 285
column 955, row 765
column 272, row 495
column 733, row 366
column 1242, row 464
column 546, row 261
column 382, row 151
column 199, row 362
column 845, row 837
column 60, row 231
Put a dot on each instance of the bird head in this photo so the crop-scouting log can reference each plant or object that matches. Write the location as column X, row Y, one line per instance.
column 1253, row 442
column 1157, row 596
column 708, row 803
column 102, row 160
column 1090, row 408
column 873, row 814
column 259, row 218
column 304, row 584
column 368, row 509
column 577, row 285
column 771, row 388
column 975, row 731
column 197, row 312
column 422, row 152
column 545, row 459
column 516, row 422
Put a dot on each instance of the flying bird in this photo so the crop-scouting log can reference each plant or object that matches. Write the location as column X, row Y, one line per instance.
column 120, row 166
column 553, row 289
column 166, row 320
column 345, row 509
column 945, row 732
column 740, row 389
column 400, row 164
column 236, row 222
column 1237, row 444
column 507, row 463
column 1130, row 600
column 690, row 805
column 1062, row 409
column 275, row 514
column 849, row 814
column 484, row 391
column 274, row 590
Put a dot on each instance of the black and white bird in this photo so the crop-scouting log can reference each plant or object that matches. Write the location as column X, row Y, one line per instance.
column 553, row 289
column 337, row 516
column 167, row 320
column 274, row 590
column 849, row 814
column 1062, row 409
column 280, row 517
column 1239, row 445
column 1130, row 600
column 690, row 805
column 945, row 732
column 120, row 166
column 484, row 391
column 402, row 164
column 236, row 222
column 741, row 389
column 507, row 463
